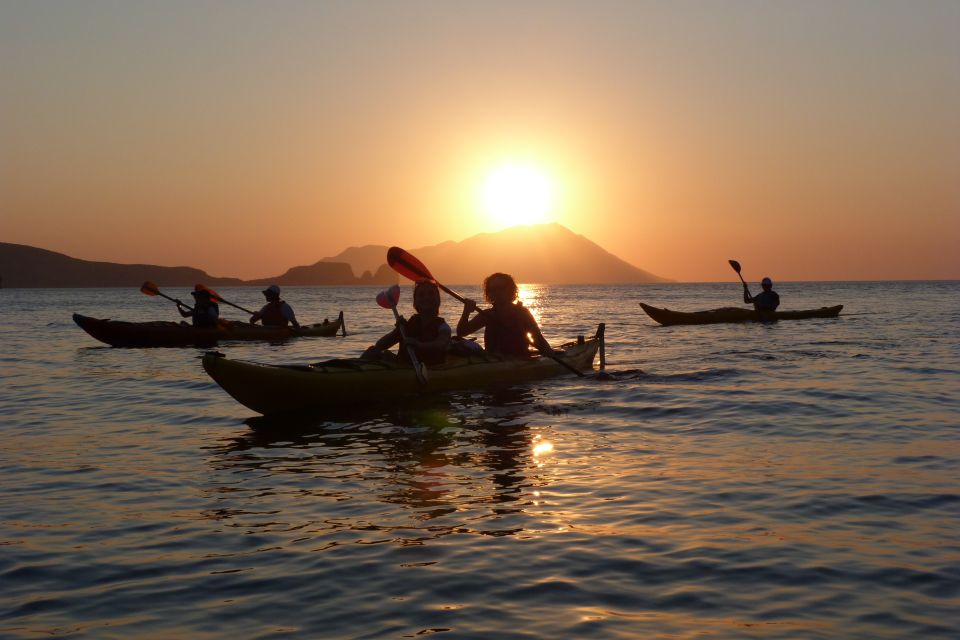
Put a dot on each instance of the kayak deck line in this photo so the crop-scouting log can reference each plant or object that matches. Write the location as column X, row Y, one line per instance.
column 270, row 389
column 668, row 317
column 159, row 333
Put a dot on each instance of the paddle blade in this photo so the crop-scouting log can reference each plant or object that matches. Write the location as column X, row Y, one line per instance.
column 735, row 265
column 213, row 294
column 388, row 298
column 406, row 265
column 150, row 289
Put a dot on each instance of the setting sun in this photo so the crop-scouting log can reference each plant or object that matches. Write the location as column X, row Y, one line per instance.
column 517, row 194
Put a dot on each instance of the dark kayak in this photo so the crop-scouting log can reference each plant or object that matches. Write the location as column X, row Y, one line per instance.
column 734, row 314
column 117, row 333
column 267, row 388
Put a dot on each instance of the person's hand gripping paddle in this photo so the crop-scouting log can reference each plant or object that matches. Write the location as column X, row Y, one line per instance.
column 388, row 299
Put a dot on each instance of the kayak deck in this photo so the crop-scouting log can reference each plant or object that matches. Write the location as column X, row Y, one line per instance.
column 118, row 333
column 734, row 314
column 271, row 389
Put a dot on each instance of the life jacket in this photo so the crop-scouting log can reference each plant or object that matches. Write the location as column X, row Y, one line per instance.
column 424, row 330
column 206, row 317
column 272, row 316
column 507, row 334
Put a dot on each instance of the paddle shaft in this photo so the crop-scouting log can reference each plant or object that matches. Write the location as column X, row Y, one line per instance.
column 235, row 306
column 745, row 288
column 410, row 350
column 163, row 295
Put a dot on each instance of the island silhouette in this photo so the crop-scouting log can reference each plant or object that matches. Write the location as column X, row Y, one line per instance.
column 544, row 253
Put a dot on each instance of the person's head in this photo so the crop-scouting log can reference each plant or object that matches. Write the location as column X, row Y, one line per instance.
column 767, row 284
column 201, row 295
column 272, row 292
column 426, row 297
column 500, row 288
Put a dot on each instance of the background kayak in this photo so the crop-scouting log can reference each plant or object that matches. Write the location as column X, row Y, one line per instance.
column 117, row 333
column 734, row 314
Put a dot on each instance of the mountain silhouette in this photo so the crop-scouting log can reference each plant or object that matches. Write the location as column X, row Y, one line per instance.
column 543, row 254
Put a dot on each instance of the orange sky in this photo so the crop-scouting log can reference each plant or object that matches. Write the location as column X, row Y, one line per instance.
column 808, row 140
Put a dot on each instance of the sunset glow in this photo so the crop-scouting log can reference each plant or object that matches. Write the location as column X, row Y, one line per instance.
column 517, row 194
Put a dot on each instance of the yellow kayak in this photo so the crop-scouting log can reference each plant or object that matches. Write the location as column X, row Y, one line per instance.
column 274, row 389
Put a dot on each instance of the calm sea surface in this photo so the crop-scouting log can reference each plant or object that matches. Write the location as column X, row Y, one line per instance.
column 795, row 480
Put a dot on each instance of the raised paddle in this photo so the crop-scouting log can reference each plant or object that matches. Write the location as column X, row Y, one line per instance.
column 218, row 298
column 736, row 267
column 388, row 299
column 150, row 289
column 404, row 263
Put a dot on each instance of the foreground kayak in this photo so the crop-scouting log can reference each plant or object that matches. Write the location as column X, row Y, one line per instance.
column 271, row 389
column 174, row 334
column 734, row 314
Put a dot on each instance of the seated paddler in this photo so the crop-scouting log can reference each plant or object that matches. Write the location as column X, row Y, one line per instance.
column 508, row 327
column 425, row 330
column 205, row 313
column 766, row 301
column 276, row 313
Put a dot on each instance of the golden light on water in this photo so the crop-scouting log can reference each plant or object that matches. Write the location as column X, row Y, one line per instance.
column 541, row 448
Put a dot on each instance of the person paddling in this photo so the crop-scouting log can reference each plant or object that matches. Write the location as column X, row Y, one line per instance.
column 425, row 331
column 276, row 313
column 766, row 301
column 205, row 313
column 508, row 326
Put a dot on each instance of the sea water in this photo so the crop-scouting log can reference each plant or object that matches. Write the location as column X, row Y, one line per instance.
column 787, row 480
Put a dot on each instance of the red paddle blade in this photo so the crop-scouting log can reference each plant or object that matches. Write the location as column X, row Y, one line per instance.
column 388, row 298
column 150, row 289
column 213, row 294
column 406, row 265
column 735, row 265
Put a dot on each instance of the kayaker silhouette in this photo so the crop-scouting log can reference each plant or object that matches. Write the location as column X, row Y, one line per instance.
column 276, row 313
column 509, row 326
column 766, row 301
column 425, row 331
column 205, row 313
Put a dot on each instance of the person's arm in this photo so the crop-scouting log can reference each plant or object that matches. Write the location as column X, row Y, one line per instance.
column 257, row 315
column 288, row 313
column 466, row 326
column 538, row 340
column 747, row 298
column 182, row 308
column 388, row 340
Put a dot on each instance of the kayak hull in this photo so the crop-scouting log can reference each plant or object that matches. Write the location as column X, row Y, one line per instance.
column 734, row 314
column 117, row 333
column 271, row 389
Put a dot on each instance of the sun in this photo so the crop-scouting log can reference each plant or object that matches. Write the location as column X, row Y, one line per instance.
column 517, row 194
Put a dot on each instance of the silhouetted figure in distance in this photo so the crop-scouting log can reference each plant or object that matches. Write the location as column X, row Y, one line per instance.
column 766, row 301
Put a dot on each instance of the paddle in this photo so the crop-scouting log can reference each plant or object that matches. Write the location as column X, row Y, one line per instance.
column 388, row 299
column 150, row 289
column 404, row 263
column 218, row 298
column 736, row 267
